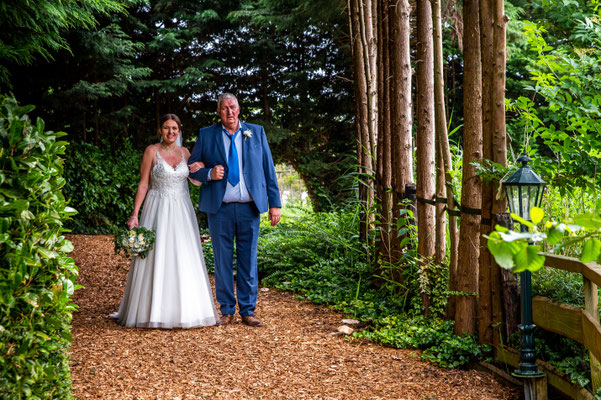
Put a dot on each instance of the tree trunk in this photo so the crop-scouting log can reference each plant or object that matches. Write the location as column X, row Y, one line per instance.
column 499, row 153
column 469, row 235
column 383, row 149
column 386, row 132
column 425, row 138
column 445, row 157
column 485, row 294
column 400, row 57
column 362, row 121
column 440, row 125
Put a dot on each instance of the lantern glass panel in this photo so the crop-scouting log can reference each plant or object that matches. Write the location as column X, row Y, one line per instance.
column 513, row 198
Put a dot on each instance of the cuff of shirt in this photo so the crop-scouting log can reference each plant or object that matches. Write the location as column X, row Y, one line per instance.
column 209, row 175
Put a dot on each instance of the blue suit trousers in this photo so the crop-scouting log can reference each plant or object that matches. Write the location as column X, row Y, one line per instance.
column 239, row 222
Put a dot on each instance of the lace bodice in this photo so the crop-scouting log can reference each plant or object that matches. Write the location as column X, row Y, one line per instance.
column 169, row 181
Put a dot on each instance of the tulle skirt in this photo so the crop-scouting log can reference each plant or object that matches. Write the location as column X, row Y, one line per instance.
column 169, row 288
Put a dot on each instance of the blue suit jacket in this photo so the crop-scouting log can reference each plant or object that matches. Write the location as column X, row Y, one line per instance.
column 257, row 167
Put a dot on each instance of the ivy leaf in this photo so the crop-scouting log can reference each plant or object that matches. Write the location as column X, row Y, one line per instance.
column 536, row 215
column 591, row 250
column 529, row 259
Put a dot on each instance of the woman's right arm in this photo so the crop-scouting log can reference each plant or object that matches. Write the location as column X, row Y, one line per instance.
column 145, row 167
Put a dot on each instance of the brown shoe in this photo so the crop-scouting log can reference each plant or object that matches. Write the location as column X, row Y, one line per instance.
column 226, row 319
column 251, row 320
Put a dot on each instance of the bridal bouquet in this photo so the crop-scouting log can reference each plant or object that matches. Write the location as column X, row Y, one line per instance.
column 135, row 242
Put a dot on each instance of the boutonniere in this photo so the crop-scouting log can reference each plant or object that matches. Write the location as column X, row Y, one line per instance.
column 247, row 134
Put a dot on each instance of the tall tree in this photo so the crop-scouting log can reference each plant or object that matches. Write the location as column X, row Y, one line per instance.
column 384, row 150
column 499, row 152
column 444, row 179
column 487, row 57
column 425, row 137
column 363, row 43
column 469, row 235
column 37, row 28
column 401, row 104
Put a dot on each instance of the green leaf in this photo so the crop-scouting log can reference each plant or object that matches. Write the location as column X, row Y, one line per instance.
column 500, row 228
column 588, row 221
column 536, row 215
column 554, row 236
column 522, row 220
column 503, row 251
column 591, row 250
column 529, row 259
column 44, row 252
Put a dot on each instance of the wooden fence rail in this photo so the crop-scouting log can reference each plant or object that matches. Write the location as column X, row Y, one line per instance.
column 579, row 324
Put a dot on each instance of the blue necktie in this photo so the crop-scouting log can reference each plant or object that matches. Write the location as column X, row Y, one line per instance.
column 233, row 174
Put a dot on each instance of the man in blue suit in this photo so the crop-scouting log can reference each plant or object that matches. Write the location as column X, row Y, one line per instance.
column 238, row 184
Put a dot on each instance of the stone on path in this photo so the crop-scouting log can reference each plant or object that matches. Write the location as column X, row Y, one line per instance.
column 345, row 330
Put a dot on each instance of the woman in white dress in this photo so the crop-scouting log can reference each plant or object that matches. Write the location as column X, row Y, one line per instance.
column 169, row 288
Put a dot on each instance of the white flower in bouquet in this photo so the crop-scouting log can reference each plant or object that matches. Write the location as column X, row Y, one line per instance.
column 247, row 134
column 137, row 242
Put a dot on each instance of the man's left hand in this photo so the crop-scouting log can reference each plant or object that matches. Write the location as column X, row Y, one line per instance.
column 275, row 213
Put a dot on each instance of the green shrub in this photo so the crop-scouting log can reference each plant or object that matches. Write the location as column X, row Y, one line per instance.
column 36, row 278
column 101, row 185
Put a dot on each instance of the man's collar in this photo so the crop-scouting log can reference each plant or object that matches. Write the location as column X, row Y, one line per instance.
column 223, row 128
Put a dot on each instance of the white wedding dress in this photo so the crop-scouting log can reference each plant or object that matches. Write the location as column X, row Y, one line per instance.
column 169, row 288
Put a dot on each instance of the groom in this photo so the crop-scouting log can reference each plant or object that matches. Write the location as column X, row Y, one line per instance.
column 239, row 183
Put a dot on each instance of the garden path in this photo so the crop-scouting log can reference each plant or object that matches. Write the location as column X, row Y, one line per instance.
column 295, row 355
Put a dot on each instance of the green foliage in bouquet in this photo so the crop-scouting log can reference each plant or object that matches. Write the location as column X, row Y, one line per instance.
column 135, row 242
column 36, row 277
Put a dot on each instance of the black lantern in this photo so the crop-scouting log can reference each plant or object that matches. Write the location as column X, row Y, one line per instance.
column 524, row 189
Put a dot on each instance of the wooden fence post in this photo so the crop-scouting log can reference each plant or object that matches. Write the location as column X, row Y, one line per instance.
column 591, row 305
column 535, row 388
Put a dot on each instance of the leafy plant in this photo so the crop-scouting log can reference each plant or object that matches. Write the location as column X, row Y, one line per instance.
column 101, row 184
column 520, row 251
column 36, row 278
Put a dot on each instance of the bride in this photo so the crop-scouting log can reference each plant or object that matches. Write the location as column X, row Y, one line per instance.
column 170, row 287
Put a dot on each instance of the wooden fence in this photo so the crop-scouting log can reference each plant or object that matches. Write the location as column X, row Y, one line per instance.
column 579, row 324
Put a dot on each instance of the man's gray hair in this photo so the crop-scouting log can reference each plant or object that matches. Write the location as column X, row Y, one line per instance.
column 225, row 96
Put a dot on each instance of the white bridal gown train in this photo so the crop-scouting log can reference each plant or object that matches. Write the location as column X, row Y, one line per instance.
column 169, row 288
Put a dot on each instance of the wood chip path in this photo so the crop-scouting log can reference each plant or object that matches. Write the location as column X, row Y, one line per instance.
column 295, row 355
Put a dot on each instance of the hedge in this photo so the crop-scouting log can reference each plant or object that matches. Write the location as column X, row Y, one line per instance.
column 36, row 276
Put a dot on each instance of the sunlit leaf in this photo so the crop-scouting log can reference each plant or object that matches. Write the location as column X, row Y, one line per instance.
column 500, row 228
column 522, row 221
column 536, row 214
